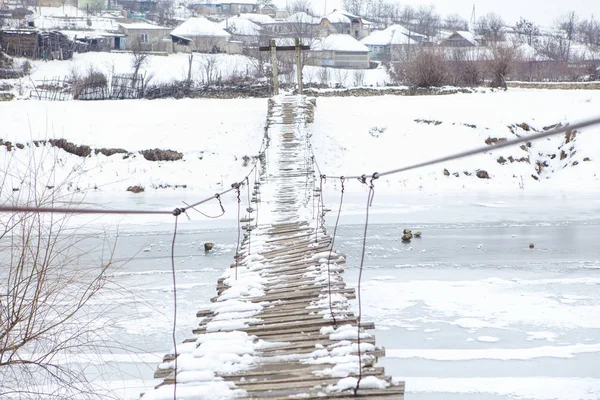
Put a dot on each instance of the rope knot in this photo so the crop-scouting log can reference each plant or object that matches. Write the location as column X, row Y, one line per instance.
column 178, row 211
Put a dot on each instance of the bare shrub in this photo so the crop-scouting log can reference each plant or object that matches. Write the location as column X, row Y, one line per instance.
column 428, row 68
column 161, row 155
column 358, row 76
column 323, row 76
column 341, row 77
column 465, row 68
column 81, row 151
column 209, row 68
column 47, row 316
column 500, row 63
column 92, row 85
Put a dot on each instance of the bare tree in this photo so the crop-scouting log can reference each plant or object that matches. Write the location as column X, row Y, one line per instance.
column 566, row 25
column 139, row 56
column 46, row 292
column 356, row 7
column 95, row 7
column 527, row 31
column 299, row 5
column 164, row 12
column 406, row 16
column 555, row 47
column 589, row 33
column 491, row 27
column 427, row 21
column 455, row 22
column 380, row 11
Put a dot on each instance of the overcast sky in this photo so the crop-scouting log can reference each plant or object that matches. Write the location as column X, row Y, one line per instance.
column 543, row 12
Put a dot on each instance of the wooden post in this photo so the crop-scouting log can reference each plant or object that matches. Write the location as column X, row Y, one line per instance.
column 274, row 64
column 299, row 65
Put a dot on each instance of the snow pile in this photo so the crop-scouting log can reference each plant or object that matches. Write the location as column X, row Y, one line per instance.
column 368, row 382
column 217, row 389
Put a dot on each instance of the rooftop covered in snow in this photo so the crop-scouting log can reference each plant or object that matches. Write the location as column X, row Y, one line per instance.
column 340, row 42
column 199, row 27
column 341, row 17
column 141, row 26
column 240, row 26
column 394, row 35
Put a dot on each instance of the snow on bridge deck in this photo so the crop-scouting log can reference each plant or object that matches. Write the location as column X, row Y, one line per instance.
column 269, row 333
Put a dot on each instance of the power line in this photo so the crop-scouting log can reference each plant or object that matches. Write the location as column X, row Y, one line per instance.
column 74, row 210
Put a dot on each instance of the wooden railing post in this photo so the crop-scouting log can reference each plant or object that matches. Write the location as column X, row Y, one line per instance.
column 275, row 71
column 299, row 65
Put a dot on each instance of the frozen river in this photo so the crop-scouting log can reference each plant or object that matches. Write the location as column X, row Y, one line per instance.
column 467, row 311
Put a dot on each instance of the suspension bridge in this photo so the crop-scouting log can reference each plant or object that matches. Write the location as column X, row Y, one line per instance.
column 281, row 325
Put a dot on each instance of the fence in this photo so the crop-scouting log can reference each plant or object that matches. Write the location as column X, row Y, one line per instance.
column 95, row 86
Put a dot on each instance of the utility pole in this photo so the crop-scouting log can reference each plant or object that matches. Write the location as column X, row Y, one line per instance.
column 273, row 48
column 299, row 65
column 274, row 66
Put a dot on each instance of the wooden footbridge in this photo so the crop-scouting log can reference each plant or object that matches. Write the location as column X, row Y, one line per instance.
column 270, row 332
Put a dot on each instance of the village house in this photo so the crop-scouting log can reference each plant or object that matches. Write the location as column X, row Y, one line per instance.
column 298, row 24
column 242, row 30
column 340, row 51
column 33, row 43
column 224, row 7
column 144, row 36
column 392, row 44
column 140, row 6
column 461, row 39
column 346, row 23
column 204, row 36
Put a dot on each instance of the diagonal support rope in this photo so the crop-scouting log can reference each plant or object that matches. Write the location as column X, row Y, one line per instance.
column 363, row 179
column 237, row 247
column 337, row 220
column 174, row 305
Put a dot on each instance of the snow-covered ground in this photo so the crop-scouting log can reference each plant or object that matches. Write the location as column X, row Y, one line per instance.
column 351, row 136
column 468, row 311
column 175, row 67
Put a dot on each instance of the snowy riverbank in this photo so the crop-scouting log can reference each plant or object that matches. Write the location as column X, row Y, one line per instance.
column 350, row 136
